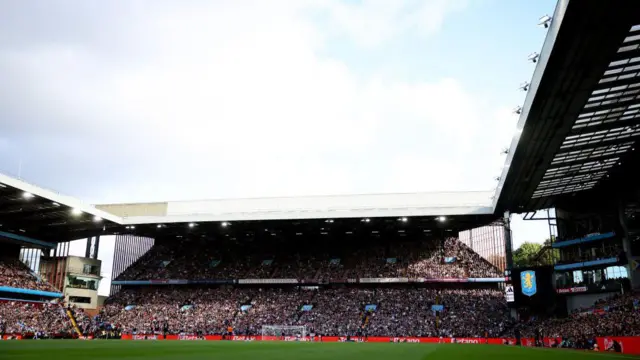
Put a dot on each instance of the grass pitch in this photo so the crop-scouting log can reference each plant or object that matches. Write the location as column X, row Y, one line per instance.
column 193, row 350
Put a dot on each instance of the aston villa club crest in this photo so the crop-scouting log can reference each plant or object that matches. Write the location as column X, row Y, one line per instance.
column 528, row 282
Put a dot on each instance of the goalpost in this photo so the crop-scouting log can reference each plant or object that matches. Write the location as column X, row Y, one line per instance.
column 284, row 332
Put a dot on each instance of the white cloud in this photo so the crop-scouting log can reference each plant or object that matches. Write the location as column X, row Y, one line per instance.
column 371, row 23
column 234, row 98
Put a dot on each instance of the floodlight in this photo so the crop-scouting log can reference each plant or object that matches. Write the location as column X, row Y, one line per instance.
column 544, row 21
column 97, row 218
column 517, row 110
column 27, row 195
column 159, row 226
column 442, row 218
column 533, row 57
column 329, row 221
column 403, row 219
column 192, row 225
column 76, row 212
column 524, row 86
column 225, row 224
column 366, row 220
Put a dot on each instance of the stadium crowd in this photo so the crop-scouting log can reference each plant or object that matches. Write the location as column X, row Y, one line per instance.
column 340, row 312
column 37, row 318
column 197, row 259
column 617, row 316
column 14, row 273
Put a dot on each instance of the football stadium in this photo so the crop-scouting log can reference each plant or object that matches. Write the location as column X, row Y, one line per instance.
column 373, row 276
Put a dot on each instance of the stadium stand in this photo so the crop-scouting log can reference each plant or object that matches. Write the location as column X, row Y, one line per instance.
column 616, row 316
column 15, row 274
column 574, row 151
column 203, row 259
column 334, row 311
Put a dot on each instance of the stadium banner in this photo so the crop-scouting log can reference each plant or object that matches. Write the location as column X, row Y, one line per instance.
column 383, row 280
column 172, row 282
column 9, row 289
column 212, row 282
column 625, row 345
column 572, row 290
column 621, row 344
column 268, row 281
column 508, row 294
column 487, row 280
column 445, row 280
column 592, row 288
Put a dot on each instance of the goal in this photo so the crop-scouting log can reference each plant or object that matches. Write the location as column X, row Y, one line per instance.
column 284, row 333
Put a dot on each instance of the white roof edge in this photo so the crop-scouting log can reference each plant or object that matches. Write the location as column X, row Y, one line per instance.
column 311, row 214
column 58, row 198
column 342, row 196
column 288, row 208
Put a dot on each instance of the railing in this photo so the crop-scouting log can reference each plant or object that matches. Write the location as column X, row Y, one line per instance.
column 81, row 271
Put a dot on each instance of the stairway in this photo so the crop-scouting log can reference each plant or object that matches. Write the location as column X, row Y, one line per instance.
column 73, row 322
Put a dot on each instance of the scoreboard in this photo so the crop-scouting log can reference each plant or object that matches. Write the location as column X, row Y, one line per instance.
column 531, row 287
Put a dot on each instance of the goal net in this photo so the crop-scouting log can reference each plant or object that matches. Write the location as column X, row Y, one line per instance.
column 284, row 333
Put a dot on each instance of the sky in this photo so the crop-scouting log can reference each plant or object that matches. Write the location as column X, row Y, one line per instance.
column 153, row 100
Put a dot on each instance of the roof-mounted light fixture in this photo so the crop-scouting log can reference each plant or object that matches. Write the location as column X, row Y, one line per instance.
column 533, row 57
column 544, row 21
column 524, row 86
column 76, row 212
column 97, row 218
column 27, row 195
column 517, row 110
column 442, row 218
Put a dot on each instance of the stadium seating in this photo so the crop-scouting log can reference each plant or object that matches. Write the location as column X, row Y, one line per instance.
column 24, row 317
column 335, row 312
column 617, row 316
column 14, row 273
column 202, row 259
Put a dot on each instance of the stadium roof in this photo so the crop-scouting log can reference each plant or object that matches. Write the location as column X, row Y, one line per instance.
column 581, row 118
column 31, row 214
column 307, row 207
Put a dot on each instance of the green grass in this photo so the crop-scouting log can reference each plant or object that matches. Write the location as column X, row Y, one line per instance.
column 192, row 350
